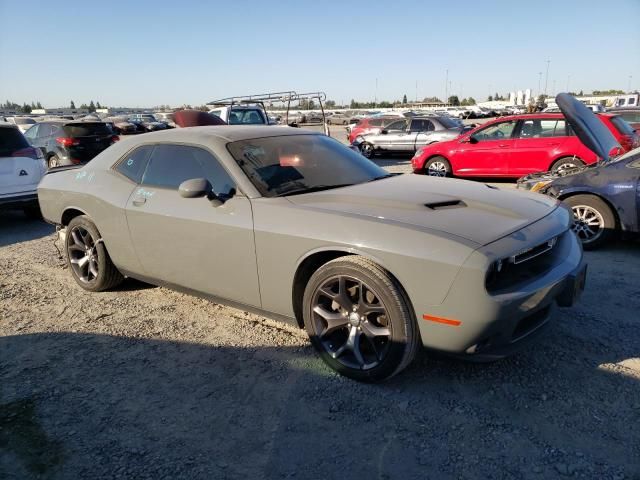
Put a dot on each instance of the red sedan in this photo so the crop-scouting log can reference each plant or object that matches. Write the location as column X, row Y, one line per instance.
column 515, row 146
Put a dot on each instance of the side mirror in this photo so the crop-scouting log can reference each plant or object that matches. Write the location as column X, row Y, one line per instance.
column 384, row 131
column 195, row 188
column 473, row 140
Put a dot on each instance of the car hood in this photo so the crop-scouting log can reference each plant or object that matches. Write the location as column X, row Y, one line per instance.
column 473, row 211
column 589, row 129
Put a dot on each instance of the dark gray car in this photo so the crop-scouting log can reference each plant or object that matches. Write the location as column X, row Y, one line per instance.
column 409, row 134
column 293, row 223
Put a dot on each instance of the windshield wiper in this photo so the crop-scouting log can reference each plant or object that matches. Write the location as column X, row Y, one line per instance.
column 317, row 188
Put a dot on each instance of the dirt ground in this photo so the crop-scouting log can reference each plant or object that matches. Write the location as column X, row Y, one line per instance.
column 143, row 382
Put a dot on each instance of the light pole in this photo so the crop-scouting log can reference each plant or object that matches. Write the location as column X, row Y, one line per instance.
column 539, row 83
column 546, row 78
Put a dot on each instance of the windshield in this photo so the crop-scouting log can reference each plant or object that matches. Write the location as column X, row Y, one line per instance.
column 246, row 117
column 298, row 163
column 448, row 122
column 24, row 121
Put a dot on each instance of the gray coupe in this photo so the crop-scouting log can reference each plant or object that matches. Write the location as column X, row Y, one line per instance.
column 293, row 224
column 409, row 134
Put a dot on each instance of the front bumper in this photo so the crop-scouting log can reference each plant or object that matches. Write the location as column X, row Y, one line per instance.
column 487, row 325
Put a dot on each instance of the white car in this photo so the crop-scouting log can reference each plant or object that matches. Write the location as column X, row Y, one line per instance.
column 23, row 123
column 21, row 169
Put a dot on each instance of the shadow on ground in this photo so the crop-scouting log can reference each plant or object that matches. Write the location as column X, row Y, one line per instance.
column 95, row 406
column 15, row 227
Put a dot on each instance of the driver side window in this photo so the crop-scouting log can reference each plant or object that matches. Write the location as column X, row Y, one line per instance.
column 497, row 131
column 399, row 125
column 170, row 165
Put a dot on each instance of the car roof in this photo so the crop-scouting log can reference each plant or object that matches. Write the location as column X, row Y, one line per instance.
column 229, row 133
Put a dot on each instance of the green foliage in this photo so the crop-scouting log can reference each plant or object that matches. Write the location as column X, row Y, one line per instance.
column 454, row 100
column 607, row 92
column 72, row 105
column 490, row 98
column 404, row 99
column 92, row 106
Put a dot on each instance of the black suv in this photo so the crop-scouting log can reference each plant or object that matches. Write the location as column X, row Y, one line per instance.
column 70, row 142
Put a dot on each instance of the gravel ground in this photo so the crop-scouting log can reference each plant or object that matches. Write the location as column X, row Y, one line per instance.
column 143, row 382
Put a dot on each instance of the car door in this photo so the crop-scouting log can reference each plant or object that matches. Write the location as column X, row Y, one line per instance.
column 424, row 133
column 395, row 138
column 487, row 151
column 536, row 144
column 189, row 242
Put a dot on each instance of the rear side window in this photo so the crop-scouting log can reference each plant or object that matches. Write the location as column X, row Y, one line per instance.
column 133, row 164
column 86, row 129
column 11, row 140
column 622, row 126
column 376, row 122
column 170, row 165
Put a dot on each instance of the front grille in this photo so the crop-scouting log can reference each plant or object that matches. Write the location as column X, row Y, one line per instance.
column 529, row 323
column 523, row 267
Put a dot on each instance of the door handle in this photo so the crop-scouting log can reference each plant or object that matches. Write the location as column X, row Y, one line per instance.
column 139, row 200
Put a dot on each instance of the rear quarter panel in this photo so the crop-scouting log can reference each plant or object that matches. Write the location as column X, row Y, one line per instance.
column 101, row 195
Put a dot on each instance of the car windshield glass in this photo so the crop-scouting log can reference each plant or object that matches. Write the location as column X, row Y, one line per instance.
column 25, row 121
column 299, row 163
column 246, row 117
column 86, row 129
column 622, row 126
column 11, row 140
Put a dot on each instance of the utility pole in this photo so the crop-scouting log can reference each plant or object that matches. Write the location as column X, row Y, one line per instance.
column 446, row 87
column 546, row 78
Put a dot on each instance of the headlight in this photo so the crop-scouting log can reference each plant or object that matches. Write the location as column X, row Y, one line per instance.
column 540, row 185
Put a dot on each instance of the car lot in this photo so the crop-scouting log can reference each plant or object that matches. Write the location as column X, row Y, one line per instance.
column 143, row 382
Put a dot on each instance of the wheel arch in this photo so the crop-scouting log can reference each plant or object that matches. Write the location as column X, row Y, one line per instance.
column 313, row 260
column 69, row 214
column 434, row 155
column 564, row 155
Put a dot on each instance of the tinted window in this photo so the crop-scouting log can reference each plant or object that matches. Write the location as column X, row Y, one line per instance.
column 447, row 122
column 633, row 117
column 24, row 121
column 132, row 165
column 44, row 130
column 622, row 126
column 497, row 131
column 421, row 126
column 375, row 122
column 11, row 140
column 537, row 128
column 246, row 117
column 170, row 165
column 56, row 131
column 86, row 129
column 32, row 132
column 296, row 163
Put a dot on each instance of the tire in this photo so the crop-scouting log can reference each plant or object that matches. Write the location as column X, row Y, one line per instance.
column 33, row 212
column 594, row 222
column 566, row 163
column 53, row 161
column 367, row 150
column 438, row 167
column 381, row 326
column 82, row 242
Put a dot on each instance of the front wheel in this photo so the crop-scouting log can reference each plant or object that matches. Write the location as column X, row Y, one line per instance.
column 87, row 257
column 438, row 167
column 54, row 161
column 359, row 319
column 367, row 150
column 594, row 222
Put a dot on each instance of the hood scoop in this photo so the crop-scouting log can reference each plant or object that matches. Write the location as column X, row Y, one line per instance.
column 447, row 204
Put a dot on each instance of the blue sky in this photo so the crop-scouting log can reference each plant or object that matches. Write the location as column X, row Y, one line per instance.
column 146, row 53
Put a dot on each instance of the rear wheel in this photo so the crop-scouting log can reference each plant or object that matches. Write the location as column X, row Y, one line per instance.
column 87, row 257
column 594, row 222
column 566, row 163
column 359, row 319
column 53, row 161
column 438, row 167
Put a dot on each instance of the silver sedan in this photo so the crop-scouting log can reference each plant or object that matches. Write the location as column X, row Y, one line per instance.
column 408, row 135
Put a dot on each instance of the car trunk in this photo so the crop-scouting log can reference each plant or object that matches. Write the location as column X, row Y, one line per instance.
column 89, row 139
